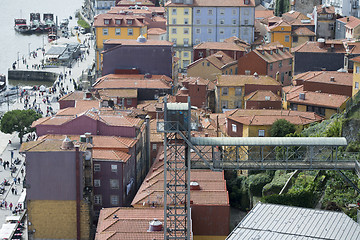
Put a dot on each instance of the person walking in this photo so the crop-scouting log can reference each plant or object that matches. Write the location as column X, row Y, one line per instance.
column 15, row 180
column 10, row 206
column 5, row 204
column 22, row 172
column 12, row 190
column 18, row 180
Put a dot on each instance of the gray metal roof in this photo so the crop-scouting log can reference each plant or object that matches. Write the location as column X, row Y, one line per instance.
column 177, row 106
column 56, row 50
column 273, row 222
column 269, row 141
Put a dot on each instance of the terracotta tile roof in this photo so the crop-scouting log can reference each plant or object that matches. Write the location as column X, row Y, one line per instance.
column 99, row 20
column 156, row 31
column 345, row 19
column 280, row 23
column 77, row 95
column 353, row 24
column 325, row 9
column 132, row 42
column 121, row 121
column 222, row 46
column 355, row 59
column 120, row 81
column 138, row 2
column 317, row 99
column 294, row 15
column 148, row 10
column 241, row 80
column 260, row 14
column 199, row 81
column 214, row 3
column 277, row 53
column 314, row 47
column 260, row 95
column 218, row 60
column 110, row 155
column 289, row 89
column 266, row 117
column 48, row 145
column 129, row 223
column 303, row 31
column 122, row 93
column 340, row 78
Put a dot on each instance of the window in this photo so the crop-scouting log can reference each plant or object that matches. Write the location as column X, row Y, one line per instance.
column 97, row 199
column 234, row 12
column 246, row 22
column 198, row 21
column 280, row 64
column 233, row 31
column 97, row 168
column 238, row 91
column 105, row 31
column 114, row 200
column 222, row 11
column 186, row 42
column 118, row 21
column 129, row 21
column 97, row 183
column 356, row 85
column 287, row 38
column 197, row 41
column 174, row 41
column 210, row 12
column 129, row 101
column 222, row 21
column 186, row 54
column 186, row 11
column 186, row 31
column 117, row 31
column 114, row 168
column 154, row 147
column 225, row 91
column 237, row 104
column 106, row 21
column 130, row 32
column 224, row 104
column 293, row 106
column 221, row 31
column 209, row 30
column 233, row 127
column 270, row 66
column 231, row 71
column 114, row 183
column 185, row 63
column 234, row 21
column 357, row 69
column 197, row 30
column 198, row 11
column 290, row 61
column 295, row 39
column 174, row 11
column 186, row 21
column 173, row 30
column 261, row 133
column 201, row 54
column 209, row 40
column 174, row 21
column 210, row 22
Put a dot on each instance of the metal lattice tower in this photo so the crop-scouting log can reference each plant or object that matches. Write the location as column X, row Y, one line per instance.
column 176, row 125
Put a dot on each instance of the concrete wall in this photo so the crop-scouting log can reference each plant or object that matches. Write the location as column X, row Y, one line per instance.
column 339, row 29
column 309, row 61
column 25, row 75
column 328, row 88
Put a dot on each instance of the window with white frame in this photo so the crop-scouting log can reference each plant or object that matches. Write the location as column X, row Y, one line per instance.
column 225, row 91
column 186, row 42
column 222, row 21
column 130, row 32
column 197, row 30
column 186, row 11
column 234, row 21
column 210, row 12
column 209, row 30
column 97, row 199
column 261, row 133
column 222, row 11
column 210, row 22
column 118, row 21
column 154, row 147
column 356, row 85
column 357, row 69
column 106, row 21
column 186, row 54
column 97, row 183
column 105, row 31
column 246, row 22
column 233, row 127
column 224, row 104
column 198, row 21
column 114, row 200
column 186, row 21
column 114, row 168
column 198, row 11
column 174, row 21
column 114, row 183
column 238, row 91
column 173, row 11
column 173, row 30
column 238, row 104
column 117, row 31
column 97, row 167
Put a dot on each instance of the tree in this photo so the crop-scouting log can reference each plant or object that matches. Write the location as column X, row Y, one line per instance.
column 18, row 121
column 281, row 128
column 281, row 6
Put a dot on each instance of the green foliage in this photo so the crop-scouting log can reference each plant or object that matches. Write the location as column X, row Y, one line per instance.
column 281, row 6
column 281, row 128
column 256, row 183
column 238, row 191
column 299, row 199
column 82, row 23
column 277, row 183
column 18, row 121
column 325, row 127
column 334, row 128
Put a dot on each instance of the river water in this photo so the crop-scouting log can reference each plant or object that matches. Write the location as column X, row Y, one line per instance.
column 13, row 44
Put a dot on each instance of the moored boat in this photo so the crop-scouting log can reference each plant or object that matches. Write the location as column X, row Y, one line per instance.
column 2, row 82
column 21, row 26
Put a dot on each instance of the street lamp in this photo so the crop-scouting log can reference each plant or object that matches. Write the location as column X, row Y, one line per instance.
column 29, row 49
column 18, row 60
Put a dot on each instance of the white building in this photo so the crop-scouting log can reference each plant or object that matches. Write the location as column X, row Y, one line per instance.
column 345, row 7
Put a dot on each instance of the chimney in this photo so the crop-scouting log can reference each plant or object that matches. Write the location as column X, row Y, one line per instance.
column 348, row 19
column 332, row 79
column 194, row 186
column 147, row 75
column 256, row 75
column 321, row 42
column 155, row 226
column 67, row 144
column 301, row 96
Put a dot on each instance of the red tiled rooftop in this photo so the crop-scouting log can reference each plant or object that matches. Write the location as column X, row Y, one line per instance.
column 132, row 42
column 110, row 155
column 304, row 31
column 340, row 78
column 214, row 3
column 261, row 95
column 99, row 20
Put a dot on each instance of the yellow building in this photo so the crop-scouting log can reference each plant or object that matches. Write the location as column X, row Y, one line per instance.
column 356, row 75
column 179, row 20
column 116, row 26
column 212, row 66
column 281, row 32
column 231, row 89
